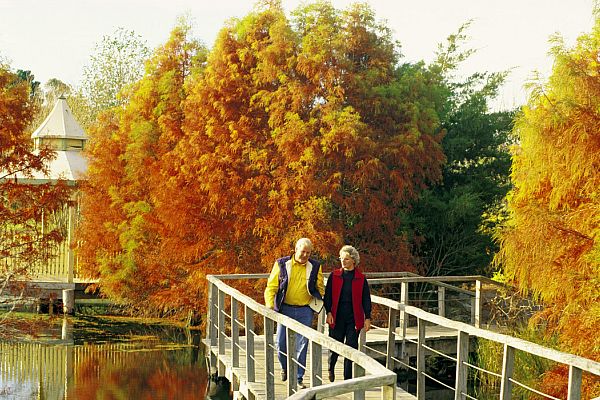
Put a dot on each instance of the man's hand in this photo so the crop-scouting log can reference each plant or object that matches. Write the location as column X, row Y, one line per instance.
column 329, row 318
column 367, row 325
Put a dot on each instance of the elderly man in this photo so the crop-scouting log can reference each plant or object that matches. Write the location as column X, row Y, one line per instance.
column 295, row 282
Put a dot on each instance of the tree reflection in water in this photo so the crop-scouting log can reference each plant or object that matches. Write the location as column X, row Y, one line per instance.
column 141, row 374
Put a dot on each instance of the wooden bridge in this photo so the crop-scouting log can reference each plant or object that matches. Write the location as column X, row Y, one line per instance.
column 241, row 343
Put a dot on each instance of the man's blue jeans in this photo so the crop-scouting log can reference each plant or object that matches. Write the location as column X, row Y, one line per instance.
column 303, row 315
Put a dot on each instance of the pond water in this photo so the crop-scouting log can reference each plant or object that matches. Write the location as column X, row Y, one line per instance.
column 104, row 358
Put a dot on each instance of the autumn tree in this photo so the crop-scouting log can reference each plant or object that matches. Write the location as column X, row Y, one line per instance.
column 23, row 241
column 290, row 128
column 550, row 246
column 120, row 229
column 298, row 128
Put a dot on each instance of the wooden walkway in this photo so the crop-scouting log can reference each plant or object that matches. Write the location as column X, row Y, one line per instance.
column 281, row 387
column 256, row 374
column 376, row 340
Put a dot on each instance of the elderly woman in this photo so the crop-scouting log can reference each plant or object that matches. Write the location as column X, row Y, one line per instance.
column 348, row 305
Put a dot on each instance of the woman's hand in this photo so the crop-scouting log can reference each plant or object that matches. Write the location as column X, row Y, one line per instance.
column 367, row 325
column 329, row 318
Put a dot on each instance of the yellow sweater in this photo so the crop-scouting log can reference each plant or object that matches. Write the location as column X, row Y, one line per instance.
column 297, row 290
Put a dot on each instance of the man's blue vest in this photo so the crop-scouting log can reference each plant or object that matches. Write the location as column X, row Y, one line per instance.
column 283, row 280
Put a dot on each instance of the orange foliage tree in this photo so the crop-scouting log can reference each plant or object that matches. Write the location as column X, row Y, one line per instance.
column 290, row 128
column 551, row 244
column 120, row 231
column 298, row 128
column 23, row 242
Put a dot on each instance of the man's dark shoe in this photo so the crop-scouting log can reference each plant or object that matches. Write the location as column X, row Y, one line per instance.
column 301, row 384
column 283, row 375
column 331, row 376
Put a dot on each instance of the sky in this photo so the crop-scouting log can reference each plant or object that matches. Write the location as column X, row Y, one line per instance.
column 55, row 38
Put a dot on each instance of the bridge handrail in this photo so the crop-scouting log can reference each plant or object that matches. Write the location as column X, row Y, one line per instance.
column 379, row 375
column 404, row 278
column 397, row 318
column 516, row 343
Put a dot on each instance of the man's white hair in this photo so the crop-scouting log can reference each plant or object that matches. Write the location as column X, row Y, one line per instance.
column 302, row 242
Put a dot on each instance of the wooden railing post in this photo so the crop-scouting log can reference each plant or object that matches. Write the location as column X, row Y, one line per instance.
column 391, row 339
column 362, row 340
column 462, row 356
column 321, row 320
column 441, row 301
column 358, row 372
column 71, row 244
column 403, row 318
column 211, row 332
column 420, row 359
column 235, row 334
column 221, row 323
column 478, row 303
column 269, row 359
column 508, row 363
column 388, row 392
column 249, row 327
column 316, row 364
column 292, row 367
column 574, row 383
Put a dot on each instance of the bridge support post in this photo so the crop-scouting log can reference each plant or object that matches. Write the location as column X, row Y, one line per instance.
column 574, row 383
column 211, row 329
column 221, row 331
column 508, row 363
column 235, row 334
column 420, row 360
column 462, row 356
column 316, row 364
column 269, row 358
column 68, row 298
column 321, row 321
column 292, row 367
column 403, row 320
column 388, row 392
column 250, row 366
column 71, row 244
column 478, row 304
column 391, row 339
column 441, row 301
column 358, row 372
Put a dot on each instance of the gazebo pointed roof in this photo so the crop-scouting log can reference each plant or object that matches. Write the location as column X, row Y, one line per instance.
column 63, row 133
column 60, row 123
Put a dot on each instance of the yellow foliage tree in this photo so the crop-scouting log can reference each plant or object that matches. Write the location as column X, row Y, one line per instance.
column 551, row 244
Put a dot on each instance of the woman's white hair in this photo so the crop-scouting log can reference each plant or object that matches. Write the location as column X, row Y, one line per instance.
column 352, row 252
column 303, row 242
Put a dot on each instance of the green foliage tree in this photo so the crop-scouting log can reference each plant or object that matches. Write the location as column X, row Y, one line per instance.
column 449, row 224
column 117, row 62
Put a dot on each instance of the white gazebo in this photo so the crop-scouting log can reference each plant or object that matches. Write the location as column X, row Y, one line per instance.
column 61, row 132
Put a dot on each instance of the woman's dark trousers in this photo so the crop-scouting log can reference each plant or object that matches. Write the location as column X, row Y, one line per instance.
column 344, row 331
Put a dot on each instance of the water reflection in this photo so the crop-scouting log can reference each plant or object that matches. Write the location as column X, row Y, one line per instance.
column 98, row 358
